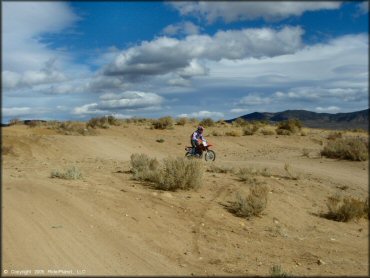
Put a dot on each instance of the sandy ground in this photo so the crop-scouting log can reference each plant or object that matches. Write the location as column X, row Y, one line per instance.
column 108, row 224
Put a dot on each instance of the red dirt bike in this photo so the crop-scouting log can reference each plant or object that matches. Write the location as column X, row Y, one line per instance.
column 209, row 155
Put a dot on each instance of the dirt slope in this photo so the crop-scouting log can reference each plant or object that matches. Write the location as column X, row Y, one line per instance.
column 108, row 224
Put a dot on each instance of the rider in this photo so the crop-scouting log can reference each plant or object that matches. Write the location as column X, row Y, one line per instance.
column 195, row 137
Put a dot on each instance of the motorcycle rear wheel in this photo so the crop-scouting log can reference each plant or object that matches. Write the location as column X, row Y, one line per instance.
column 210, row 156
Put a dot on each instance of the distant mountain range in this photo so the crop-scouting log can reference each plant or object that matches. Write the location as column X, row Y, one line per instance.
column 352, row 120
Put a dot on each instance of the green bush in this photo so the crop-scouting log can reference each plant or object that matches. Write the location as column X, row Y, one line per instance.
column 163, row 123
column 355, row 149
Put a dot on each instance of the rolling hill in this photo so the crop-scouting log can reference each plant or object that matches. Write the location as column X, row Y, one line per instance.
column 358, row 119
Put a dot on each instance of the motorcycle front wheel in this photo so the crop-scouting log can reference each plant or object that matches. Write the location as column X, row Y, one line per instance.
column 210, row 156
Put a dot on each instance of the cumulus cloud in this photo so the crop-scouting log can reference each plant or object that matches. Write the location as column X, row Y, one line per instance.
column 23, row 24
column 248, row 10
column 126, row 101
column 183, row 28
column 203, row 114
column 48, row 74
column 22, row 111
column 166, row 55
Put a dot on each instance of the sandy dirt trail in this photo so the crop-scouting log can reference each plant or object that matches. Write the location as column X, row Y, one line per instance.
column 108, row 224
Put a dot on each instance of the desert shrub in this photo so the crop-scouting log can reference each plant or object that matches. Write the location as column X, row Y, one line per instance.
column 250, row 129
column 233, row 133
column 291, row 125
column 143, row 167
column 182, row 121
column 344, row 209
column 97, row 122
column 14, row 121
column 216, row 133
column 207, row 122
column 267, row 131
column 221, row 122
column 163, row 123
column 334, row 135
column 290, row 173
column 112, row 120
column 172, row 174
column 5, row 150
column 72, row 128
column 72, row 173
column 276, row 271
column 240, row 122
column 355, row 149
column 283, row 132
column 160, row 140
column 179, row 173
column 248, row 175
column 252, row 204
column 193, row 121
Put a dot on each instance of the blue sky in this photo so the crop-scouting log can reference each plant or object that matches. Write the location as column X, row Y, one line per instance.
column 77, row 60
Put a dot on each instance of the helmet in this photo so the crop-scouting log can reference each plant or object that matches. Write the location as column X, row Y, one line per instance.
column 200, row 128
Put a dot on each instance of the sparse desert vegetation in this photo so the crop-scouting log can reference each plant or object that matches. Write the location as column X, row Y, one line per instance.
column 163, row 123
column 289, row 127
column 354, row 148
column 71, row 173
column 138, row 191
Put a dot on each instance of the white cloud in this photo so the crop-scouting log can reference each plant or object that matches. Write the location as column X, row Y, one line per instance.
column 184, row 28
column 203, row 114
column 254, row 99
column 22, row 111
column 239, row 110
column 330, row 109
column 128, row 101
column 364, row 7
column 248, row 10
column 166, row 55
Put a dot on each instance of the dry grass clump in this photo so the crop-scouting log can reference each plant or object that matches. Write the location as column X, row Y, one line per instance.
column 73, row 128
column 265, row 131
column 252, row 204
column 239, row 122
column 143, row 167
column 160, row 140
column 234, row 133
column 97, row 122
column 291, row 125
column 72, row 173
column 344, row 209
column 291, row 175
column 163, row 123
column 306, row 152
column 180, row 173
column 355, row 149
column 207, row 122
column 250, row 129
column 172, row 174
column 277, row 271
column 334, row 135
column 216, row 133
column 248, row 174
column 14, row 121
column 182, row 121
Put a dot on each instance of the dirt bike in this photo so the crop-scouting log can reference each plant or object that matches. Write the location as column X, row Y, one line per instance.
column 209, row 155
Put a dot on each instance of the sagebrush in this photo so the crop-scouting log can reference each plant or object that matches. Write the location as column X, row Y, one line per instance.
column 345, row 208
column 356, row 149
column 71, row 173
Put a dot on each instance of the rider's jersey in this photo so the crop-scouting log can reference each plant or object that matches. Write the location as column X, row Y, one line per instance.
column 196, row 136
